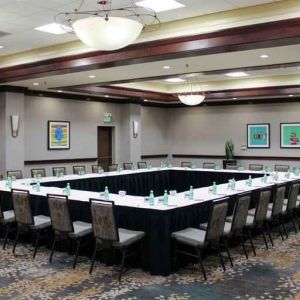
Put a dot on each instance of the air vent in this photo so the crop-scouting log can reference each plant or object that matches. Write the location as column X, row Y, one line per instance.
column 3, row 33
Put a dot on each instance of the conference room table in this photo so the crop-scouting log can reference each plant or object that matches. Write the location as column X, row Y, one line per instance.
column 135, row 212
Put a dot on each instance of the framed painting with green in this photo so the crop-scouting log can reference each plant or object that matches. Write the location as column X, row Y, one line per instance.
column 289, row 135
column 58, row 135
column 258, row 135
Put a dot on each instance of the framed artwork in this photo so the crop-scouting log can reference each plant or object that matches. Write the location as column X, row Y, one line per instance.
column 258, row 135
column 289, row 135
column 58, row 135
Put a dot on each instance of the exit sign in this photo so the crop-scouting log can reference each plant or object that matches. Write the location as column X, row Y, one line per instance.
column 107, row 118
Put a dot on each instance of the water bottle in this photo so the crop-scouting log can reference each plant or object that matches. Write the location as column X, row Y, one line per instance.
column 191, row 193
column 151, row 198
column 233, row 184
column 38, row 186
column 214, row 188
column 119, row 169
column 106, row 193
column 68, row 189
column 166, row 198
column 250, row 181
column 9, row 182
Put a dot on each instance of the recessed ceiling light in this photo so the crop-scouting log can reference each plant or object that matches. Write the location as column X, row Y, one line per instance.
column 60, row 91
column 291, row 95
column 106, row 96
column 1, row 47
column 35, row 83
column 53, row 28
column 146, row 100
column 92, row 76
column 264, row 56
column 167, row 67
column 174, row 80
column 234, row 98
column 159, row 6
column 237, row 74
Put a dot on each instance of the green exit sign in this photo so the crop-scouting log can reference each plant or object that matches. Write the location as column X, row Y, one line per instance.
column 107, row 118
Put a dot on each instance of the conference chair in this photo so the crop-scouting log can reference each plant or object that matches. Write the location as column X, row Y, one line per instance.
column 256, row 167
column 231, row 166
column 16, row 174
column 142, row 165
column 25, row 219
column 62, row 225
column 41, row 172
column 186, row 164
column 7, row 218
column 199, row 239
column 281, row 168
column 209, row 165
column 107, row 235
column 128, row 166
column 95, row 168
column 78, row 169
column 61, row 171
column 113, row 167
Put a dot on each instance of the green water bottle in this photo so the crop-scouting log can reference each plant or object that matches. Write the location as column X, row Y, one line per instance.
column 38, row 186
column 68, row 189
column 166, row 198
column 191, row 193
column 214, row 188
column 106, row 193
column 250, row 180
column 151, row 198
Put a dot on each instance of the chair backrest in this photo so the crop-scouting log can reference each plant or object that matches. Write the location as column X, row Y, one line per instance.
column 278, row 200
column 22, row 208
column 216, row 221
column 293, row 194
column 16, row 174
column 209, row 165
column 142, row 165
column 231, row 166
column 281, row 168
column 262, row 206
column 186, row 164
column 127, row 166
column 103, row 220
column 59, row 170
column 78, row 169
column 41, row 172
column 256, row 167
column 113, row 167
column 59, row 213
column 95, row 168
column 240, row 212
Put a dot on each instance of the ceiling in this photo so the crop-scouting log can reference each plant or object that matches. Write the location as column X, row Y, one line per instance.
column 280, row 68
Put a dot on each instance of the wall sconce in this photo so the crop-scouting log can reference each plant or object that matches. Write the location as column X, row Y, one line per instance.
column 14, row 125
column 135, row 129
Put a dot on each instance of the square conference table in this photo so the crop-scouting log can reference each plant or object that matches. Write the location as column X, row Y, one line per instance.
column 134, row 212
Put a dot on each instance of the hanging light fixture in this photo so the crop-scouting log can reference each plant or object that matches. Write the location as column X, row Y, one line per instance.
column 191, row 96
column 107, row 28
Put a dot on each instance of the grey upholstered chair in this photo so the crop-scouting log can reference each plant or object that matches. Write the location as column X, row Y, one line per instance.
column 59, row 171
column 78, row 169
column 142, row 165
column 108, row 235
column 186, row 164
column 7, row 218
column 231, row 166
column 63, row 226
column 209, row 165
column 281, row 168
column 128, row 166
column 25, row 220
column 113, row 167
column 41, row 172
column 198, row 239
column 16, row 174
column 256, row 167
column 95, row 168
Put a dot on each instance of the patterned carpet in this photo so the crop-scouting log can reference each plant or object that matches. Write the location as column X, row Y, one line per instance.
column 273, row 274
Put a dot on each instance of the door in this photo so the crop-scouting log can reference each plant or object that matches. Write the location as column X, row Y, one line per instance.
column 104, row 146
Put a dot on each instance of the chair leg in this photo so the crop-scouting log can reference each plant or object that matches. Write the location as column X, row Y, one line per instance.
column 285, row 230
column 7, row 228
column 280, row 231
column 294, row 224
column 265, row 240
column 36, row 242
column 221, row 259
column 228, row 253
column 251, row 241
column 142, row 253
column 201, row 263
column 76, row 253
column 175, row 255
column 122, row 262
column 269, row 234
column 52, row 249
column 16, row 240
column 243, row 245
column 93, row 259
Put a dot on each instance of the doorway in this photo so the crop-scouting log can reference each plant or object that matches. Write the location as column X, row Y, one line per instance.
column 104, row 146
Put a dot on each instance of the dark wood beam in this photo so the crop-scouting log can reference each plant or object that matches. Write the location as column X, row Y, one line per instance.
column 271, row 34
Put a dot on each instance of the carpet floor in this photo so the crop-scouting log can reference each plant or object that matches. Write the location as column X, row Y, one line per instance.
column 272, row 274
